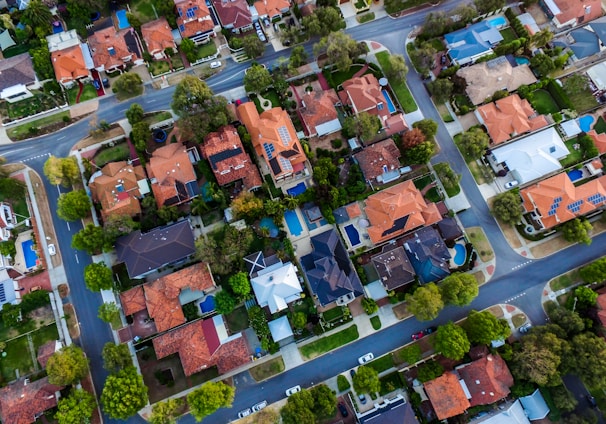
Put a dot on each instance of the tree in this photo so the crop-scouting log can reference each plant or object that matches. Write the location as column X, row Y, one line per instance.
column 412, row 138
column 239, row 284
column 563, row 399
column 298, row 57
column 188, row 47
column 340, row 49
column 299, row 320
column 363, row 125
column 247, row 206
column 429, row 127
column 108, row 312
column 537, row 358
column 507, row 208
column 325, row 401
column 223, row 248
column 298, row 409
column 166, row 8
column 129, row 84
column 41, row 61
column 38, row 15
column 91, row 239
column 487, row 6
column 587, row 359
column 210, row 397
column 98, row 277
column 253, row 47
column 441, row 89
column 570, row 321
column 459, row 289
column 541, row 38
column 436, row 24
column 166, row 412
column 411, row 354
column 420, row 154
column 473, row 143
column 7, row 248
column 73, row 205
column 140, row 134
column 576, row 84
column 586, row 297
column 577, row 231
column 451, row 341
column 542, row 63
column 135, row 112
column 124, row 393
column 12, row 188
column 465, row 12
column 168, row 213
column 483, row 327
column 429, row 370
column 369, row 305
column 67, row 366
column 117, row 225
column 62, row 171
column 11, row 315
column 366, row 380
column 323, row 21
column 116, row 357
column 425, row 303
column 224, row 303
column 76, row 408
column 397, row 69
column 595, row 272
column 256, row 79
column 423, row 58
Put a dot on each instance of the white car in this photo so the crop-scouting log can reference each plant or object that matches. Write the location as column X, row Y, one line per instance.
column 511, row 184
column 259, row 406
column 293, row 390
column 244, row 413
column 52, row 250
column 261, row 36
column 257, row 26
column 366, row 358
column 214, row 65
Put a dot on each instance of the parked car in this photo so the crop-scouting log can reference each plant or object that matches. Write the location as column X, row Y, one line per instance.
column 216, row 64
column 525, row 328
column 591, row 401
column 257, row 26
column 362, row 399
column 105, row 82
column 52, row 250
column 261, row 36
column 293, row 390
column 276, row 27
column 96, row 84
column 417, row 336
column 266, row 22
column 259, row 406
column 366, row 358
column 343, row 410
column 443, row 59
column 352, row 372
column 511, row 184
column 430, row 330
column 244, row 413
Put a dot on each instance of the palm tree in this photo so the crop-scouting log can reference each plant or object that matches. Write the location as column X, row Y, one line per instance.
column 217, row 194
column 38, row 15
column 199, row 206
column 291, row 202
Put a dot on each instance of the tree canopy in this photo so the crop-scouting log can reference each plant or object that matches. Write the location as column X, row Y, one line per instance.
column 298, row 409
column 239, row 284
column 429, row 127
column 73, row 205
column 98, row 276
column 537, row 358
column 224, row 302
column 257, row 78
column 61, row 171
column 124, row 393
column 483, row 327
column 426, row 302
column 210, row 397
column 224, row 248
column 507, row 207
column 577, row 231
column 340, row 49
column 363, row 125
column 116, row 357
column 474, row 143
column 253, row 47
column 366, row 380
column 129, row 84
column 92, row 239
column 397, row 69
column 324, row 21
column 587, row 356
column 76, row 408
column 451, row 341
column 459, row 289
column 595, row 272
column 67, row 366
column 135, row 113
column 165, row 412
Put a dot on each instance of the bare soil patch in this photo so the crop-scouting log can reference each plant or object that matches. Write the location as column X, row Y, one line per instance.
column 480, row 277
column 511, row 235
column 401, row 311
column 72, row 321
column 63, row 290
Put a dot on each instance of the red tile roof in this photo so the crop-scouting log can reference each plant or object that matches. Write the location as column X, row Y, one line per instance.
column 117, row 189
column 319, row 108
column 46, row 351
column 353, row 210
column 446, row 396
column 198, row 23
column 364, row 94
column 599, row 140
column 580, row 11
column 109, row 48
column 133, row 300
column 233, row 13
column 168, row 168
column 488, row 380
column 374, row 158
column 21, row 403
column 229, row 161
column 157, row 36
column 69, row 64
column 272, row 8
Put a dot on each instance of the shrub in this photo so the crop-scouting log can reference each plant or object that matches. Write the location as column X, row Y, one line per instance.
column 559, row 95
column 342, row 383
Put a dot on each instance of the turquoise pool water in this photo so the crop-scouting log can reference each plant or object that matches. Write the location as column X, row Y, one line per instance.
column 585, row 122
column 294, row 225
column 29, row 254
column 497, row 22
column 460, row 254
column 270, row 225
column 390, row 106
column 522, row 60
column 122, row 19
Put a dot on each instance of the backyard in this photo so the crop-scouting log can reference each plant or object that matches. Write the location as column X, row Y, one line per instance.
column 328, row 343
column 143, row 10
column 508, row 35
column 237, row 320
column 576, row 154
column 582, row 100
column 399, row 88
column 600, row 126
column 543, row 103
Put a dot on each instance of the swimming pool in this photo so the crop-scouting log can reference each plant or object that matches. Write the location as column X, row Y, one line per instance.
column 294, row 225
column 208, row 305
column 298, row 189
column 122, row 19
column 575, row 174
column 497, row 22
column 30, row 255
column 460, row 255
column 353, row 235
column 585, row 122
column 522, row 60
column 270, row 225
column 390, row 106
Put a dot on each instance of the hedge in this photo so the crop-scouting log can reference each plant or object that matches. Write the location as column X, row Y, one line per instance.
column 559, row 95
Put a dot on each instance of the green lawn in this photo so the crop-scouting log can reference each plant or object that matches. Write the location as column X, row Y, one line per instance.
column 400, row 89
column 433, row 195
column 328, row 343
column 177, row 62
column 390, row 382
column 574, row 157
column 367, row 17
column 143, row 10
column 158, row 67
column 437, row 44
column 40, row 102
column 157, row 117
column 421, row 183
column 382, row 364
column 20, row 208
column 237, row 320
column 565, row 280
column 272, row 96
column 89, row 92
column 21, row 131
column 508, row 35
column 582, row 101
column 333, row 314
column 543, row 103
column 208, row 49
column 267, row 369
column 18, row 357
column 600, row 126
column 44, row 335
column 375, row 322
column 337, row 78
column 112, row 154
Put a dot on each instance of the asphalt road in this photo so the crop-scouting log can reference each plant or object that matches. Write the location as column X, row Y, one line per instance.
column 525, row 284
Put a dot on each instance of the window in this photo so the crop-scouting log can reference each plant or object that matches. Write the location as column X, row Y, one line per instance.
column 552, row 149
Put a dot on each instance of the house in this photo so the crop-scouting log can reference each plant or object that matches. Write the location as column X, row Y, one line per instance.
column 428, row 255
column 509, row 118
column 486, row 78
column 234, row 14
column 118, row 186
column 158, row 37
column 172, row 175
column 47, row 350
column 113, row 49
column 280, row 330
column 17, row 78
column 275, row 141
column 487, row 379
column 449, row 230
column 393, row 267
column 531, row 157
column 390, row 411
column 203, row 344
column 330, row 274
column 447, row 395
column 8, row 289
column 318, row 113
column 7, row 221
column 398, row 210
column 597, row 74
column 71, row 58
column 471, row 43
column 510, row 413
column 24, row 401
column 571, row 13
column 380, row 162
column 556, row 200
column 144, row 253
column 276, row 286
column 365, row 94
column 271, row 8
column 535, row 406
column 228, row 159
column 583, row 42
column 194, row 20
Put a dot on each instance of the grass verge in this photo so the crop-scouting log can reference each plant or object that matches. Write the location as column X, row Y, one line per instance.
column 565, row 280
column 112, row 154
column 20, row 131
column 480, row 242
column 400, row 89
column 328, row 343
column 390, row 382
column 381, row 364
column 267, row 369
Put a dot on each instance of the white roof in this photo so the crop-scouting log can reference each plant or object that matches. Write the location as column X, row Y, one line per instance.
column 276, row 286
column 528, row 21
column 553, row 7
column 13, row 90
column 328, row 127
column 62, row 40
column 532, row 157
column 571, row 128
column 597, row 73
column 6, row 40
column 88, row 58
column 280, row 329
column 512, row 415
column 375, row 290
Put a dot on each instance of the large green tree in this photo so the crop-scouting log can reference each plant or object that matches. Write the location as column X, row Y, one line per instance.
column 537, row 358
column 116, row 357
column 396, row 69
column 116, row 225
column 67, row 366
column 298, row 57
column 473, row 143
column 166, row 412
column 585, row 297
column 225, row 302
column 420, row 154
column 39, row 16
column 507, row 207
column 223, row 249
column 577, row 231
column 128, row 84
column 210, row 397
column 429, row 127
column 542, row 63
column 92, row 239
column 257, row 78
column 239, row 284
column 487, row 6
column 298, row 409
column 426, row 302
column 459, row 289
column 571, row 322
column 595, row 272
column 76, row 408
column 423, row 57
column 134, row 113
column 588, row 359
column 73, row 205
column 363, row 125
column 108, row 312
column 340, row 49
column 366, row 380
column 253, row 47
column 97, row 277
column 451, row 341
column 140, row 134
column 323, row 21
column 483, row 327
column 63, row 171
column 325, row 401
column 124, row 393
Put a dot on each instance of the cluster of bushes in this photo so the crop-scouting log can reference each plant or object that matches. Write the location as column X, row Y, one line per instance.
column 516, row 25
column 558, row 94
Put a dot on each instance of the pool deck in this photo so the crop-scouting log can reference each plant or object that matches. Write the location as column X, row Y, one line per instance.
column 302, row 242
column 19, row 262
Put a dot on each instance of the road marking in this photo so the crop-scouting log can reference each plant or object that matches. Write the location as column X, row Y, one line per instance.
column 34, row 157
column 77, row 261
column 68, row 229
column 150, row 101
column 61, row 138
column 511, row 299
column 123, row 110
column 521, row 265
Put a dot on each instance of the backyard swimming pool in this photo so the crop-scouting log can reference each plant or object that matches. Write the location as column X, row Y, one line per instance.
column 522, row 60
column 29, row 254
column 208, row 305
column 575, row 174
column 390, row 106
column 122, row 19
column 353, row 235
column 585, row 122
column 298, row 189
column 460, row 255
column 294, row 225
column 270, row 225
column 497, row 22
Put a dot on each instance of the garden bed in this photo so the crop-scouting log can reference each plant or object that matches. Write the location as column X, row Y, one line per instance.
column 158, row 67
column 41, row 102
column 600, row 126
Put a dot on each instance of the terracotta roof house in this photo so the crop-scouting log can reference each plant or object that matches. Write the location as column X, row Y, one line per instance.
column 47, row 350
column 24, row 401
column 71, row 57
column 330, row 274
column 488, row 380
column 486, row 78
column 318, row 113
column 158, row 37
column 380, row 162
column 17, row 78
column 599, row 140
column 428, row 255
column 472, row 42
column 601, row 304
column 133, row 301
column 556, row 200
column 509, row 118
column 447, row 396
column 393, row 267
column 571, row 13
column 228, row 159
column 118, row 186
column 143, row 253
column 398, row 210
column 7, row 221
column 202, row 344
column 113, row 49
column 276, row 286
column 271, row 8
column 194, row 20
column 275, row 140
column 172, row 175
column 234, row 14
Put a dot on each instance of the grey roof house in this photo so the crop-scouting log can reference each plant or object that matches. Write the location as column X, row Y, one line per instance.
column 428, row 254
column 17, row 78
column 393, row 267
column 329, row 271
column 143, row 253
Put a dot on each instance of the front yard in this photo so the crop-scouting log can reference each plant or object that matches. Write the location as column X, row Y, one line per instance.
column 41, row 102
column 328, row 343
column 400, row 89
column 88, row 92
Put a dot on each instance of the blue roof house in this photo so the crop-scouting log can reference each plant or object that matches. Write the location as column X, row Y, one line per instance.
column 428, row 255
column 469, row 44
